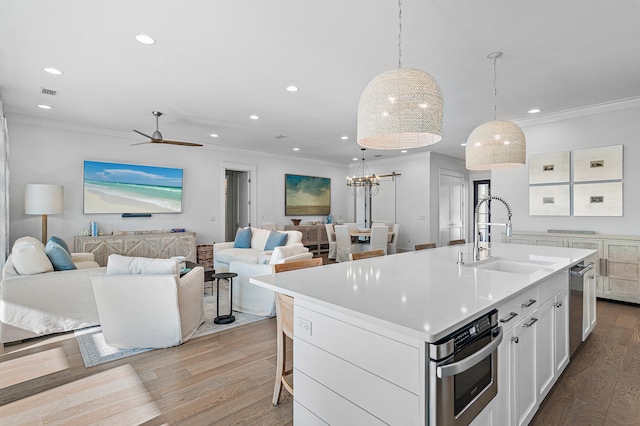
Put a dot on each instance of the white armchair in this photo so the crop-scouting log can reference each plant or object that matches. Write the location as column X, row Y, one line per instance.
column 143, row 303
column 255, row 300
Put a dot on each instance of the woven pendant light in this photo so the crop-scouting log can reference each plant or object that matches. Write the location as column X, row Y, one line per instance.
column 400, row 109
column 495, row 144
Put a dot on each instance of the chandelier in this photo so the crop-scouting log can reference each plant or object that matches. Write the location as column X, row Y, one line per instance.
column 400, row 109
column 495, row 144
column 365, row 183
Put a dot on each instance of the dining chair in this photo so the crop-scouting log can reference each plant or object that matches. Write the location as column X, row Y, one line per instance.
column 393, row 242
column 425, row 246
column 379, row 239
column 343, row 243
column 284, row 321
column 331, row 237
column 366, row 254
column 456, row 242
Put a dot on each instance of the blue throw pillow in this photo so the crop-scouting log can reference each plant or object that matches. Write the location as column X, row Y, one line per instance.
column 243, row 238
column 59, row 257
column 276, row 239
column 60, row 241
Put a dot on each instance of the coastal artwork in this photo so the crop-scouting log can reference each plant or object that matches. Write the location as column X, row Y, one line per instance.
column 307, row 195
column 129, row 188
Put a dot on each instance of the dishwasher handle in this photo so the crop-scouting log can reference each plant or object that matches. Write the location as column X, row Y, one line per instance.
column 580, row 272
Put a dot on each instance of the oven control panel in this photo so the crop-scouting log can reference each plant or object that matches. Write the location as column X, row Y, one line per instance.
column 470, row 332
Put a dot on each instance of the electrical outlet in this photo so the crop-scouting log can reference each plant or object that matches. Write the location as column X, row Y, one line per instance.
column 213, row 218
column 304, row 325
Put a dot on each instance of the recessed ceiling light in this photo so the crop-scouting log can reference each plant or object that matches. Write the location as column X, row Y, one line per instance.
column 355, row 159
column 254, row 117
column 145, row 39
column 213, row 135
column 53, row 71
column 344, row 138
column 404, row 151
column 44, row 106
column 296, row 149
column 292, row 88
column 463, row 144
column 534, row 111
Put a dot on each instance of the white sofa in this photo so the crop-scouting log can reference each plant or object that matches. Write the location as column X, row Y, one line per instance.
column 256, row 300
column 47, row 302
column 144, row 303
column 225, row 253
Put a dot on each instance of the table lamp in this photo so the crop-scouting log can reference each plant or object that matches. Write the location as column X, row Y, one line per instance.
column 43, row 199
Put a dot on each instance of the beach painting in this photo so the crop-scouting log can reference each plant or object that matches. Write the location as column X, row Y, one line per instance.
column 129, row 188
column 307, row 195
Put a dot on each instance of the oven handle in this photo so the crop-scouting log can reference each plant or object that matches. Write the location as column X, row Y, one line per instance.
column 470, row 361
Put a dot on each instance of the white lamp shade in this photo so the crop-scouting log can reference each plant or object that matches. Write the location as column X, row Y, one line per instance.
column 400, row 109
column 496, row 145
column 43, row 199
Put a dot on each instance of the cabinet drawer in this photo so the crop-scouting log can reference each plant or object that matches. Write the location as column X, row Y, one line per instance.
column 512, row 311
column 387, row 358
column 311, row 397
column 383, row 399
column 551, row 286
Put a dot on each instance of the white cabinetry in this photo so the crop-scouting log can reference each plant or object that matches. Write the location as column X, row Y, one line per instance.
column 589, row 305
column 534, row 351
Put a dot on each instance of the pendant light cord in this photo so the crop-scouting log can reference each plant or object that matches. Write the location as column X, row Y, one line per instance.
column 399, row 34
column 495, row 88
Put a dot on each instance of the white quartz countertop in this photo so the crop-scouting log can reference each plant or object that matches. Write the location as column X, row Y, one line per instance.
column 423, row 294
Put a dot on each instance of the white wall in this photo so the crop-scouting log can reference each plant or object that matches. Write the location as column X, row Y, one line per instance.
column 50, row 152
column 598, row 128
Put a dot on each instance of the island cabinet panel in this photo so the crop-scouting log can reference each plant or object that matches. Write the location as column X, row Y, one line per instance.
column 545, row 366
column 392, row 360
column 305, row 417
column 373, row 394
column 617, row 263
column 523, row 354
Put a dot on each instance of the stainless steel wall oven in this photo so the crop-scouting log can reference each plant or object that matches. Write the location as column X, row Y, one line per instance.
column 463, row 372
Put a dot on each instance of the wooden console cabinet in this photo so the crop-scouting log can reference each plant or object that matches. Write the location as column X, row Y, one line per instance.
column 156, row 245
column 314, row 237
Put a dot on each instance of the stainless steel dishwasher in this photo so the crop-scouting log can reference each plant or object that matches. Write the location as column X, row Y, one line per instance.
column 576, row 304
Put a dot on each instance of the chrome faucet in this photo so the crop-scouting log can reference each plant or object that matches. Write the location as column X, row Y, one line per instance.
column 476, row 217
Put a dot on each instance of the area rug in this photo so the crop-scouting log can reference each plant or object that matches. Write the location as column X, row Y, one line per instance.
column 95, row 350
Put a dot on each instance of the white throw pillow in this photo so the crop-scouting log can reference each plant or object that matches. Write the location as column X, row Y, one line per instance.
column 29, row 258
column 124, row 265
column 282, row 252
column 301, row 256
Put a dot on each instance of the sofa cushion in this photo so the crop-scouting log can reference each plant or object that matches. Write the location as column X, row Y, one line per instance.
column 243, row 238
column 283, row 252
column 61, row 242
column 243, row 255
column 259, row 238
column 125, row 265
column 275, row 239
column 29, row 258
column 59, row 257
column 296, row 257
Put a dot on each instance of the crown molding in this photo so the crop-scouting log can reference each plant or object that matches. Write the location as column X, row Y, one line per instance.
column 580, row 112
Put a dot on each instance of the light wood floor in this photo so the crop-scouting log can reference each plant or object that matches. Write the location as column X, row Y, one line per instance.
column 227, row 379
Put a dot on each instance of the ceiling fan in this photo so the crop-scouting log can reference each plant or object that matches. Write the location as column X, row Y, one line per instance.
column 157, row 136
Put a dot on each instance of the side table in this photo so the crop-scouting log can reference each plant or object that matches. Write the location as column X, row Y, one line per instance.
column 224, row 319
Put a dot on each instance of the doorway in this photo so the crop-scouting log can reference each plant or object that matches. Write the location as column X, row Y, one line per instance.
column 237, row 198
column 451, row 207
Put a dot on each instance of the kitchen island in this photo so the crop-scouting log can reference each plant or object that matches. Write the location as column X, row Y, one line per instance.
column 362, row 329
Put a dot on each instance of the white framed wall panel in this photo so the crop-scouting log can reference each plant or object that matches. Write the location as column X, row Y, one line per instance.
column 551, row 167
column 549, row 200
column 597, row 199
column 594, row 164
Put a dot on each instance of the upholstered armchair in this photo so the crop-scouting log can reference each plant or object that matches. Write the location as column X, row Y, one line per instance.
column 144, row 303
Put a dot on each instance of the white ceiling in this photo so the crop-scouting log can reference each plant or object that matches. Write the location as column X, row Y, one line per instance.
column 215, row 63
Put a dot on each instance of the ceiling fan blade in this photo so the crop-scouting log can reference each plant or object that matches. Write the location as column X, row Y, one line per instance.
column 179, row 143
column 143, row 134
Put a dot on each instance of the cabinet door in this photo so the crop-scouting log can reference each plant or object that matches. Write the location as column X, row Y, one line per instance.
column 516, row 239
column 524, row 370
column 622, row 277
column 589, row 306
column 505, row 378
column 550, row 241
column 545, row 350
column 561, row 331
